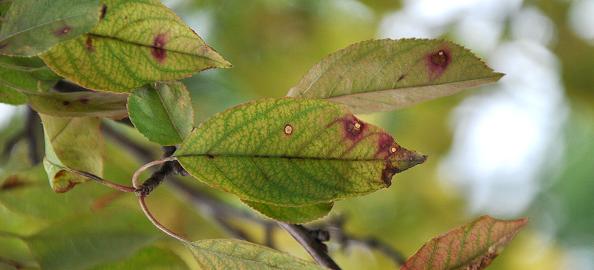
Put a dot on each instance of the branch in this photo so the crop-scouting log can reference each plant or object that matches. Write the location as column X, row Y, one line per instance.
column 32, row 125
column 315, row 248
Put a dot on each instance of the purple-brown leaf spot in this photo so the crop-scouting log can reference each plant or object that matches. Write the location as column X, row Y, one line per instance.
column 437, row 62
column 158, row 50
column 103, row 11
column 385, row 143
column 62, row 31
column 84, row 100
column 353, row 128
column 65, row 102
column 89, row 44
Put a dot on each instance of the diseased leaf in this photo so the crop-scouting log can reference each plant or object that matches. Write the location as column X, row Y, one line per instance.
column 135, row 43
column 292, row 214
column 149, row 258
column 384, row 75
column 85, row 241
column 71, row 143
column 34, row 26
column 222, row 254
column 20, row 76
column 80, row 104
column 162, row 112
column 293, row 152
column 472, row 246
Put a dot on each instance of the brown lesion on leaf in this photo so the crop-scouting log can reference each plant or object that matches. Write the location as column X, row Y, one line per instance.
column 158, row 49
column 103, row 12
column 353, row 128
column 437, row 62
column 63, row 188
column 89, row 44
column 401, row 77
column 13, row 182
column 65, row 103
column 288, row 130
column 84, row 100
column 62, row 31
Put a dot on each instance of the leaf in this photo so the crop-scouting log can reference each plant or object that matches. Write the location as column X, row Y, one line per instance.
column 472, row 246
column 10, row 96
column 149, row 258
column 135, row 43
column 292, row 214
column 384, row 75
column 162, row 112
column 71, row 143
column 293, row 152
column 80, row 104
column 222, row 254
column 89, row 240
column 24, row 75
column 34, row 26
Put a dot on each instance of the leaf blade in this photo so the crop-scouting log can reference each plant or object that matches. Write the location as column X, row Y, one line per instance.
column 236, row 254
column 34, row 26
column 292, row 214
column 136, row 43
column 383, row 75
column 293, row 152
column 162, row 113
column 455, row 249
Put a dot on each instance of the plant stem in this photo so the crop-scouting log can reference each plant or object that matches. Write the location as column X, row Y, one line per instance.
column 315, row 248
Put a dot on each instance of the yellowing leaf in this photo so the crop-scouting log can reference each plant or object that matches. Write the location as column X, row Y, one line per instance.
column 223, row 254
column 80, row 104
column 383, row 75
column 293, row 152
column 34, row 26
column 162, row 112
column 472, row 246
column 135, row 43
column 71, row 143
column 292, row 214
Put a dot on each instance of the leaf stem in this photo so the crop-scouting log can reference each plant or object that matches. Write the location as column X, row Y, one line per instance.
column 102, row 181
column 157, row 224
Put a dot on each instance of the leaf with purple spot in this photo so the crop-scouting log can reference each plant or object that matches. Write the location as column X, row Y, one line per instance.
column 135, row 43
column 384, row 75
column 293, row 152
column 34, row 26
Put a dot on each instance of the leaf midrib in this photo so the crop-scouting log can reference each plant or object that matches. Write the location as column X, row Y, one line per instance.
column 279, row 157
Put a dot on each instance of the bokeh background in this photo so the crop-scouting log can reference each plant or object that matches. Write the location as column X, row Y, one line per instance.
column 521, row 147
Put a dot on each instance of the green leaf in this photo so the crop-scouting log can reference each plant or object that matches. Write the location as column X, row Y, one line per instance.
column 24, row 75
column 71, row 143
column 236, row 254
column 162, row 112
column 34, row 26
column 137, row 42
column 80, row 104
column 292, row 152
column 384, row 75
column 472, row 246
column 86, row 241
column 292, row 214
column 149, row 258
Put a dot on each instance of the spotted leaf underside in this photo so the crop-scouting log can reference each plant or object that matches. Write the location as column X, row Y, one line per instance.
column 472, row 246
column 34, row 26
column 293, row 152
column 384, row 75
column 136, row 42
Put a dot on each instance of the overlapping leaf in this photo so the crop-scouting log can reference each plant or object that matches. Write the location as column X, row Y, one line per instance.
column 149, row 258
column 162, row 112
column 472, row 246
column 293, row 152
column 20, row 76
column 71, row 143
column 135, row 43
column 292, row 214
column 34, row 26
column 383, row 75
column 222, row 254
column 80, row 104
